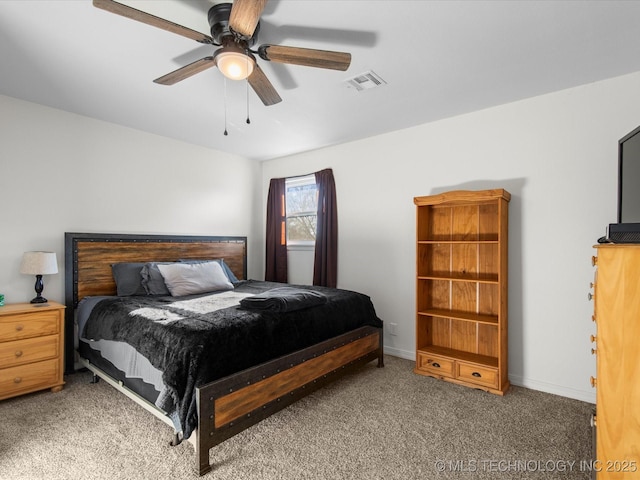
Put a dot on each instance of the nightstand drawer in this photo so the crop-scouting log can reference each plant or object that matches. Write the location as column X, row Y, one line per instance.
column 29, row 350
column 28, row 378
column 436, row 365
column 479, row 375
column 32, row 324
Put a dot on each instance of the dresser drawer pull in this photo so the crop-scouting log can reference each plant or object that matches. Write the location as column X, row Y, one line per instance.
column 17, row 380
column 19, row 353
column 435, row 364
column 590, row 296
column 593, row 381
column 19, row 328
column 476, row 374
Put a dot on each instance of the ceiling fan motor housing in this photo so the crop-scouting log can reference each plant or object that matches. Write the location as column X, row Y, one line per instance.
column 218, row 17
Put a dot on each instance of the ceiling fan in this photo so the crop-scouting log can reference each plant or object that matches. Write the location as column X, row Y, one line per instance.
column 234, row 28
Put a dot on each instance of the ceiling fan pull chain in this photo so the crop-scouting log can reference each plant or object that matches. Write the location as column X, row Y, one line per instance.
column 247, row 85
column 225, row 106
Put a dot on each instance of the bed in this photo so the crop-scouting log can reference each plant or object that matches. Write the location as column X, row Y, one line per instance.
column 221, row 397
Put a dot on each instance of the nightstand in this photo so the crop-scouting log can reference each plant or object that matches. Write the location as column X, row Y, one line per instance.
column 31, row 348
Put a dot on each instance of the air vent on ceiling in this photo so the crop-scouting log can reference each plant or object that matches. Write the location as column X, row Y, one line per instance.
column 365, row 81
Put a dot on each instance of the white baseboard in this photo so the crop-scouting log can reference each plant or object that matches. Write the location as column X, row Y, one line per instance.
column 583, row 395
column 396, row 352
column 518, row 380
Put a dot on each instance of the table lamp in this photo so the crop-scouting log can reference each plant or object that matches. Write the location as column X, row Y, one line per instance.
column 38, row 264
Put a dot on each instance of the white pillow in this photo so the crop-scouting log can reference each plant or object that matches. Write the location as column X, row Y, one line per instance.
column 190, row 278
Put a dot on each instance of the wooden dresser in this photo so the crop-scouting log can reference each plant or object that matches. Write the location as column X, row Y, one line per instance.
column 461, row 288
column 617, row 348
column 31, row 348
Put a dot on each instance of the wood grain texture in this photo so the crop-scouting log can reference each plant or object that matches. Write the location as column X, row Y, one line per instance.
column 461, row 292
column 617, row 310
column 263, row 87
column 307, row 57
column 279, row 383
column 144, row 17
column 31, row 348
column 243, row 401
column 185, row 72
column 245, row 15
column 95, row 258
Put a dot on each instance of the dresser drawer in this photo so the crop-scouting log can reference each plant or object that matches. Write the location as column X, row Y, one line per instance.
column 31, row 377
column 29, row 350
column 487, row 377
column 32, row 324
column 436, row 365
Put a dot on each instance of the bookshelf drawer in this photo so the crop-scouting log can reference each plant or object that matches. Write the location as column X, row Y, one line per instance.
column 436, row 365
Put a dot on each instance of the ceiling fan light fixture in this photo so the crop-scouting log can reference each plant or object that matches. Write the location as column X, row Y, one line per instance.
column 234, row 64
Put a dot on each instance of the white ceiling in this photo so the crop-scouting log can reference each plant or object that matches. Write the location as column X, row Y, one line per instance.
column 439, row 59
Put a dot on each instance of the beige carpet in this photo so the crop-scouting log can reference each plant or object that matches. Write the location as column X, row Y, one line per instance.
column 374, row 424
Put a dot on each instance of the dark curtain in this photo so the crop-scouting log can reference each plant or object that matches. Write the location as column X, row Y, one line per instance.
column 276, row 241
column 325, row 265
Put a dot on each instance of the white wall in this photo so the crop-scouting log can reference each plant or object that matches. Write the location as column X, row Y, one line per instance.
column 61, row 172
column 556, row 154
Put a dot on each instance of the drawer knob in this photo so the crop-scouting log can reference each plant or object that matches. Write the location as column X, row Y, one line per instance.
column 435, row 364
column 17, row 380
column 593, row 381
column 19, row 353
column 593, row 351
column 593, row 318
column 594, row 261
column 19, row 328
column 476, row 374
column 593, row 338
column 590, row 296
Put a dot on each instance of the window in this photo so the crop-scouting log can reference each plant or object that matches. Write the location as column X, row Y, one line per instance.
column 301, row 199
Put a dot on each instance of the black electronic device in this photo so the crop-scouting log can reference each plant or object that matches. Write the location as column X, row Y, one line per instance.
column 627, row 230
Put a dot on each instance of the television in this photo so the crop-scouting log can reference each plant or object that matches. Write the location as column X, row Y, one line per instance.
column 629, row 178
column 627, row 230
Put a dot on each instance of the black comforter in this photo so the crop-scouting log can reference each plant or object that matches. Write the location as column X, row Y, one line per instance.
column 192, row 349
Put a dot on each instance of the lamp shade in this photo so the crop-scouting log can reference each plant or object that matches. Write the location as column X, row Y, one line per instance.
column 39, row 263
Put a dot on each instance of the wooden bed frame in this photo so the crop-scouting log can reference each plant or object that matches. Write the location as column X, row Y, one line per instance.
column 234, row 403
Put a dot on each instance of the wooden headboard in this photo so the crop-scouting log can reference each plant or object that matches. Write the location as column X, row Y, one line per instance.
column 89, row 256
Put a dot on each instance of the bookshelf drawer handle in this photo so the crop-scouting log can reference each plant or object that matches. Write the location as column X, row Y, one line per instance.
column 435, row 364
column 17, row 380
column 19, row 328
column 476, row 374
column 19, row 353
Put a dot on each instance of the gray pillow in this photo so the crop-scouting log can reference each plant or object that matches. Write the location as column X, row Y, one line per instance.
column 152, row 280
column 191, row 278
column 230, row 275
column 128, row 279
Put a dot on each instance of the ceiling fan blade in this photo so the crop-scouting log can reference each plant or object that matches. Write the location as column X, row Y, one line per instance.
column 263, row 87
column 186, row 71
column 245, row 15
column 305, row 56
column 144, row 17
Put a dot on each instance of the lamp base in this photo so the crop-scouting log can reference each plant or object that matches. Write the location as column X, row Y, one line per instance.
column 39, row 299
column 39, row 288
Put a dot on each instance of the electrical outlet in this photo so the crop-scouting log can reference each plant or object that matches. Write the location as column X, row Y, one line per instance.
column 392, row 328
